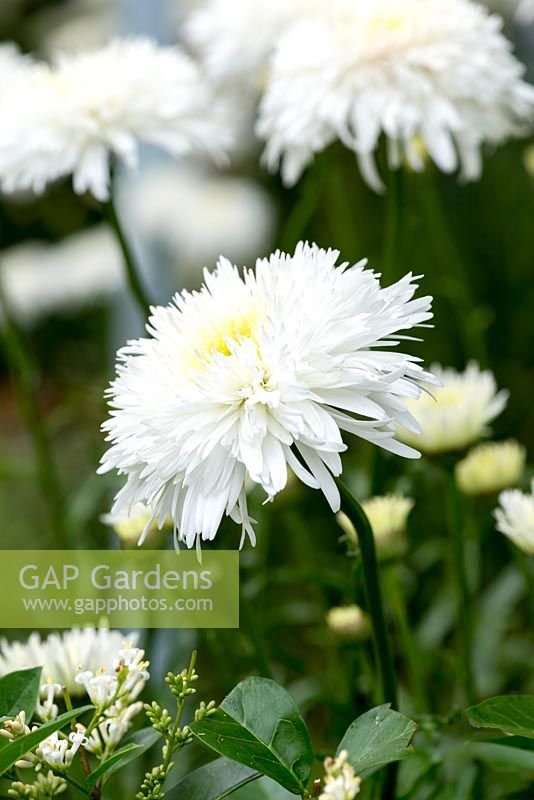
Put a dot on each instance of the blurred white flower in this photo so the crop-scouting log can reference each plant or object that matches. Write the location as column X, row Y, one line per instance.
column 456, row 414
column 112, row 729
column 340, row 782
column 71, row 117
column 74, row 27
column 46, row 708
column 350, row 622
column 235, row 38
column 192, row 216
column 432, row 73
column 388, row 516
column 62, row 655
column 490, row 468
column 515, row 517
column 254, row 374
column 41, row 278
column 129, row 527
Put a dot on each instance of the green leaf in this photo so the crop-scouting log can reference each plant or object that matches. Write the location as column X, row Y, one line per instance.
column 512, row 714
column 263, row 789
column 131, row 750
column 19, row 691
column 501, row 757
column 259, row 725
column 142, row 740
column 377, row 738
column 213, row 781
column 15, row 749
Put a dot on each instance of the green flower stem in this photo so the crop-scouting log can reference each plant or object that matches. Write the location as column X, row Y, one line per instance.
column 463, row 599
column 357, row 516
column 257, row 641
column 393, row 226
column 132, row 269
column 447, row 254
column 409, row 644
column 25, row 375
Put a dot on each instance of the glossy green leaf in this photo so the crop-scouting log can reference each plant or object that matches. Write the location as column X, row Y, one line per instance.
column 513, row 714
column 19, row 691
column 19, row 747
column 262, row 789
column 378, row 737
column 213, row 781
column 123, row 755
column 259, row 725
column 142, row 740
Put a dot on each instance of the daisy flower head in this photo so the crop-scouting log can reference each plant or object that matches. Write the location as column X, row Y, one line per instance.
column 456, row 414
column 235, row 38
column 255, row 373
column 436, row 76
column 70, row 117
column 490, row 468
column 515, row 517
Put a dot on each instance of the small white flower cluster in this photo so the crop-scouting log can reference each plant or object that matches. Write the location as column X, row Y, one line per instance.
column 340, row 782
column 47, row 709
column 56, row 751
column 515, row 518
column 113, row 692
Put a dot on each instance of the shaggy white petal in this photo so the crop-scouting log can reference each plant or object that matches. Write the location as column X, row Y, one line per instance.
column 70, row 118
column 247, row 378
column 430, row 75
column 235, row 38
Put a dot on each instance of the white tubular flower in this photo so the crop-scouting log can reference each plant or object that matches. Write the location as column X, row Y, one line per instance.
column 57, row 752
column 111, row 730
column 257, row 373
column 13, row 728
column 340, row 782
column 71, row 117
column 515, row 518
column 349, row 622
column 62, row 655
column 48, row 710
column 456, row 414
column 100, row 688
column 235, row 38
column 432, row 73
column 490, row 468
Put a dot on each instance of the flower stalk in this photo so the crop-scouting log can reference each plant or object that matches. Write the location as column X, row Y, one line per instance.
column 132, row 270
column 25, row 374
column 463, row 599
column 357, row 516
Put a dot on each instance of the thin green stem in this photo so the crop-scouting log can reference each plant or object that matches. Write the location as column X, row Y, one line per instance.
column 409, row 644
column 393, row 227
column 357, row 516
column 463, row 599
column 258, row 644
column 26, row 380
column 170, row 749
column 132, row 270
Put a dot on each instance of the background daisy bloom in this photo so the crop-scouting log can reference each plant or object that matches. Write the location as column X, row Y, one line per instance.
column 61, row 655
column 435, row 77
column 456, row 414
column 515, row 517
column 69, row 118
column 490, row 468
column 235, row 38
column 257, row 373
